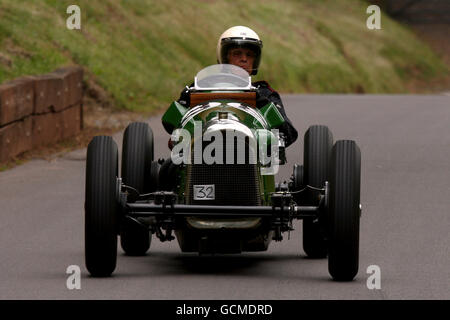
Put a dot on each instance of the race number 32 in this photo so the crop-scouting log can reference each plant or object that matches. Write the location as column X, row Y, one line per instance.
column 204, row 192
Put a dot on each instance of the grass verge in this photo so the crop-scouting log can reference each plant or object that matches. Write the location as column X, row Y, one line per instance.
column 143, row 52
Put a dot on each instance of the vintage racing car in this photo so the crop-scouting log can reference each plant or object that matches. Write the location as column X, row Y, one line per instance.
column 217, row 193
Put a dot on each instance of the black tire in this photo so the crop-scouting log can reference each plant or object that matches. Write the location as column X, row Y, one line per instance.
column 101, row 215
column 344, row 211
column 297, row 178
column 137, row 156
column 317, row 152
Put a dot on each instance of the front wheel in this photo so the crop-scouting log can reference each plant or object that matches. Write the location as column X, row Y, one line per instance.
column 344, row 211
column 101, row 216
column 137, row 156
column 317, row 152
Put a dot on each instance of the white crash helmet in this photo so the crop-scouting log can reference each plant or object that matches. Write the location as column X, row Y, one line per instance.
column 239, row 36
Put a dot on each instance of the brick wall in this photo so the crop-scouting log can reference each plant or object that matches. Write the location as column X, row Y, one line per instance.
column 40, row 110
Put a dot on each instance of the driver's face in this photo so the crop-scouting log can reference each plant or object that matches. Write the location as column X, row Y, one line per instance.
column 242, row 57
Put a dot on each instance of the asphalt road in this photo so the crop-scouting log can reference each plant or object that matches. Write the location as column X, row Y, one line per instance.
column 405, row 145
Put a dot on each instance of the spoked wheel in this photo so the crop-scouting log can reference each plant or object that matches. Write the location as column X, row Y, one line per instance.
column 101, row 216
column 344, row 211
column 137, row 156
column 317, row 153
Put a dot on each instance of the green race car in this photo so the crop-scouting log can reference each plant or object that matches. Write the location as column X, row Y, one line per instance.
column 217, row 192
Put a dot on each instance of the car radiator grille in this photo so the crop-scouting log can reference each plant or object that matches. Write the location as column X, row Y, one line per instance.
column 234, row 184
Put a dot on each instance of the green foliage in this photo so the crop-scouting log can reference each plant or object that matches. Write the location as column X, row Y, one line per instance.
column 144, row 52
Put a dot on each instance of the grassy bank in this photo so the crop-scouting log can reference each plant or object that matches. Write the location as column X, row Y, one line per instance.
column 143, row 52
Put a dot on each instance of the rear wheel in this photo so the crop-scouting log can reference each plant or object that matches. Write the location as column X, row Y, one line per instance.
column 344, row 211
column 101, row 220
column 317, row 151
column 137, row 156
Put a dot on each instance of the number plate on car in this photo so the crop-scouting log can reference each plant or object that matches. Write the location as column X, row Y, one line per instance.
column 204, row 192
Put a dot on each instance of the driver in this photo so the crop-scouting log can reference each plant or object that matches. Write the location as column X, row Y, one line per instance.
column 241, row 46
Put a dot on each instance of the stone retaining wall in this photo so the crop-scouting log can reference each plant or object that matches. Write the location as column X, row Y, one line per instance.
column 40, row 110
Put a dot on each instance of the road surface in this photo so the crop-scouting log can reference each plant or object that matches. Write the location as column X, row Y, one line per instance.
column 405, row 145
